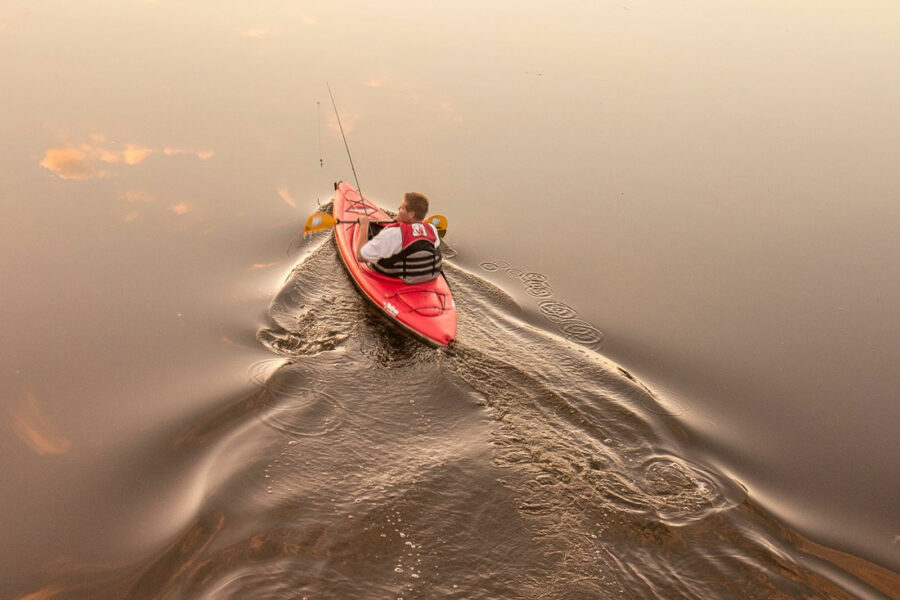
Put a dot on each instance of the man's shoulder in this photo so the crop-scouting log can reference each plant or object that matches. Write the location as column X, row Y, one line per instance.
column 389, row 231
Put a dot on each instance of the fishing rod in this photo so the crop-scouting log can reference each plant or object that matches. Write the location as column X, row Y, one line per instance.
column 337, row 114
column 319, row 221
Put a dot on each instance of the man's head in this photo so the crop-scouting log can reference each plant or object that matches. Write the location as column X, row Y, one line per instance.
column 413, row 208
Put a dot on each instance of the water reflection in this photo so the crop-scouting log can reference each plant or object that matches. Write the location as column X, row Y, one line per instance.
column 72, row 163
column 92, row 159
column 735, row 237
column 181, row 208
column 563, row 316
column 35, row 427
column 286, row 196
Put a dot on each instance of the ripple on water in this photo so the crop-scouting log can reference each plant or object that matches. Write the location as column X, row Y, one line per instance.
column 534, row 277
column 538, row 289
column 556, row 311
column 296, row 408
column 311, row 341
column 675, row 491
column 317, row 308
column 559, row 313
column 581, row 332
column 260, row 371
column 389, row 348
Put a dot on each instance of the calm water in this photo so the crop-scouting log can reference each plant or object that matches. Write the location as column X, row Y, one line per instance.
column 674, row 250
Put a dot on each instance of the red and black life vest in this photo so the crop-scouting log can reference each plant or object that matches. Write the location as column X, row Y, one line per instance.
column 418, row 260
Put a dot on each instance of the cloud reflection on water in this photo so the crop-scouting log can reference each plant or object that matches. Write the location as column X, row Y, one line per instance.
column 35, row 428
column 72, row 163
column 201, row 154
column 46, row 593
column 449, row 111
column 257, row 32
column 286, row 196
column 87, row 160
column 181, row 209
column 348, row 121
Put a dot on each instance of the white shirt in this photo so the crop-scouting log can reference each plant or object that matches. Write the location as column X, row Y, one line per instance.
column 388, row 242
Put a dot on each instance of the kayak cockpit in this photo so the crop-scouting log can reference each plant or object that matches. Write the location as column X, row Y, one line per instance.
column 427, row 303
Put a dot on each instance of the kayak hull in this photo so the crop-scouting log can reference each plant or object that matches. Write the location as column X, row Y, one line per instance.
column 425, row 310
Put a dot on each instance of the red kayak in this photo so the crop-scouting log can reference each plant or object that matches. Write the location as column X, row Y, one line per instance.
column 425, row 310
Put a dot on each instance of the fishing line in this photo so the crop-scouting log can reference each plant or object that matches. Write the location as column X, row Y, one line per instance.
column 319, row 132
column 352, row 168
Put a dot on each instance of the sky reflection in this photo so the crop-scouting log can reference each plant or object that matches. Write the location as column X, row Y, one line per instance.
column 35, row 428
column 286, row 196
column 90, row 159
column 727, row 169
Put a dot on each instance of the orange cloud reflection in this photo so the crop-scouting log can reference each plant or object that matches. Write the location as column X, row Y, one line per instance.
column 71, row 163
column 348, row 121
column 47, row 593
column 35, row 429
column 201, row 154
column 84, row 161
column 134, row 155
column 286, row 196
column 449, row 111
column 180, row 209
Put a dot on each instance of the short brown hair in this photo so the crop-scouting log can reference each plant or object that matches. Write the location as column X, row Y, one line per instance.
column 417, row 204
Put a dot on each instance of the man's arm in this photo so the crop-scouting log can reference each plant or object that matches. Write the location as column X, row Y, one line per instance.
column 362, row 236
column 388, row 242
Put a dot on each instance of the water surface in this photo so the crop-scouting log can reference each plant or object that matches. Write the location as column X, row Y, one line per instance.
column 675, row 256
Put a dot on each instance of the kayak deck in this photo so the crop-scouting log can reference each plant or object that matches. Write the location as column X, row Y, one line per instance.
column 426, row 310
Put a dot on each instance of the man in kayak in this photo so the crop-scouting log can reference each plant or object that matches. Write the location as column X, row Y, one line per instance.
column 407, row 249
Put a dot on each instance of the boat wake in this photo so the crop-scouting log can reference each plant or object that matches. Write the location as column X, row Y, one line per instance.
column 594, row 463
column 520, row 464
